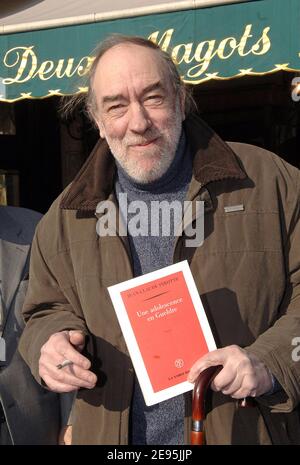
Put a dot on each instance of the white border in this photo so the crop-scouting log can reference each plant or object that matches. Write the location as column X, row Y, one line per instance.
column 150, row 396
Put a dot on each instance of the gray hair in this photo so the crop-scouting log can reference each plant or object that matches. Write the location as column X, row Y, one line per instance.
column 89, row 99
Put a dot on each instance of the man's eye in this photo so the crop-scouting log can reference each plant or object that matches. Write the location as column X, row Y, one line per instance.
column 154, row 99
column 116, row 107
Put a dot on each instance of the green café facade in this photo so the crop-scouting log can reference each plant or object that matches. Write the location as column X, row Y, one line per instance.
column 222, row 42
column 218, row 49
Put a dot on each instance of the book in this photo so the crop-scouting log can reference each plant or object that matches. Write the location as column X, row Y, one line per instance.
column 165, row 328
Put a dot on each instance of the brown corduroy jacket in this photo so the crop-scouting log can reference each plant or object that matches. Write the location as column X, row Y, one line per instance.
column 247, row 272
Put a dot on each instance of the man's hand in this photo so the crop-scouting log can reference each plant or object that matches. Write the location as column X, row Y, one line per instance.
column 65, row 345
column 242, row 375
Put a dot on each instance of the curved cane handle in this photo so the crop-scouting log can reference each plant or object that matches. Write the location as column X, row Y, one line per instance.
column 202, row 383
column 201, row 386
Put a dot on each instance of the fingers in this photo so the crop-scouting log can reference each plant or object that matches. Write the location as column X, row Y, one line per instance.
column 213, row 358
column 241, row 386
column 58, row 348
column 67, row 344
column 56, row 386
column 246, row 390
column 68, row 379
column 242, row 375
column 77, row 339
column 58, row 377
column 68, row 352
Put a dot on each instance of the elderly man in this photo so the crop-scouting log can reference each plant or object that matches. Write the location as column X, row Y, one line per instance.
column 247, row 270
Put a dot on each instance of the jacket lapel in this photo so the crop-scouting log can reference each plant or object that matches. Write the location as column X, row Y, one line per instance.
column 214, row 160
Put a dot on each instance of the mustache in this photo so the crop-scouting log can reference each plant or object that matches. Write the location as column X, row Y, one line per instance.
column 144, row 139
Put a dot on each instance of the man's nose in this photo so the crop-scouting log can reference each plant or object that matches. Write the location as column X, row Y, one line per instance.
column 139, row 119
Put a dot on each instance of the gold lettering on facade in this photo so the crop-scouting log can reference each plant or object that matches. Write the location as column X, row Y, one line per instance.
column 24, row 61
column 164, row 41
column 186, row 50
column 203, row 55
column 45, row 68
column 264, row 43
column 205, row 51
column 67, row 72
column 83, row 66
column 227, row 48
column 247, row 34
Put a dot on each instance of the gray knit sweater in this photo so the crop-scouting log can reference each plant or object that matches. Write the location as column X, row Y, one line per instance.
column 162, row 423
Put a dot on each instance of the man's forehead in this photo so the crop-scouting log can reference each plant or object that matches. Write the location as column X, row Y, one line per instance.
column 126, row 57
column 129, row 65
column 135, row 50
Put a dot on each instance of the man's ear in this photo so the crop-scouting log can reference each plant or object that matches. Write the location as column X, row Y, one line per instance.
column 101, row 129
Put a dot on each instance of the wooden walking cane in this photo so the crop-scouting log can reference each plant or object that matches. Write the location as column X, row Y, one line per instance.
column 201, row 387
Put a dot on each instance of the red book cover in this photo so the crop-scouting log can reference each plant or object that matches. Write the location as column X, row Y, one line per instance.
column 165, row 328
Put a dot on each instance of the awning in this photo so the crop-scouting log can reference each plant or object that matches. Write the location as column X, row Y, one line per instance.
column 218, row 42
